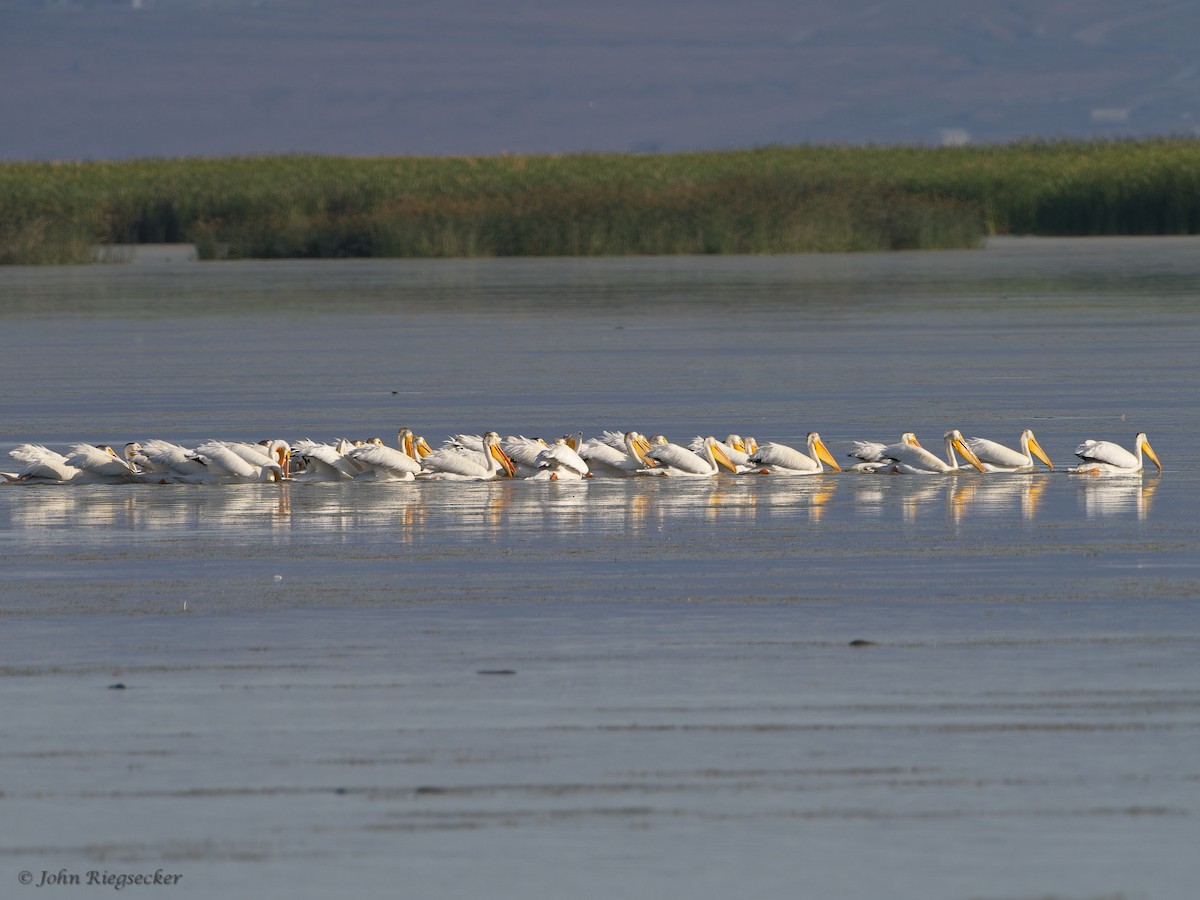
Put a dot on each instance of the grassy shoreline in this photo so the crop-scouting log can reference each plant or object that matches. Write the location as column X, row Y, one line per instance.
column 766, row 200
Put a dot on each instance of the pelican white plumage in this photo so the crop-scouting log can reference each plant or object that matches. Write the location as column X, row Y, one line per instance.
column 876, row 451
column 1107, row 458
column 100, row 464
column 384, row 463
column 780, row 459
column 676, row 461
column 998, row 458
column 913, row 459
column 326, row 462
column 524, row 452
column 605, row 460
column 448, row 464
column 227, row 465
column 874, row 454
column 266, row 452
column 41, row 465
column 734, row 447
column 560, row 462
column 169, row 463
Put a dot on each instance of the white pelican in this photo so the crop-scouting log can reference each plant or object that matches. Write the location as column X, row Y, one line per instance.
column 674, row 460
column 780, row 459
column 100, row 463
column 448, row 464
column 326, row 462
column 874, row 455
column 165, row 462
column 875, row 451
column 41, row 465
column 998, row 458
column 386, row 463
column 1107, row 458
column 560, row 462
column 523, row 452
column 226, row 465
column 605, row 460
column 734, row 447
column 913, row 459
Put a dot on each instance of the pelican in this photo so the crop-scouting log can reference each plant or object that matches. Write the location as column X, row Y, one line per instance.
column 907, row 459
column 523, row 452
column 734, row 447
column 448, row 464
column 100, row 463
column 1107, row 458
column 998, row 458
column 605, row 460
column 674, row 460
column 227, row 463
column 913, row 459
column 780, row 459
column 379, row 461
column 169, row 463
column 326, row 462
column 874, row 455
column 41, row 465
column 560, row 462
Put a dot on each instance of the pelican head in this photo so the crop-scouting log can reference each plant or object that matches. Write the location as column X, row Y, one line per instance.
column 955, row 439
column 1028, row 440
column 1141, row 444
column 816, row 445
column 404, row 440
column 909, row 438
column 491, row 444
column 718, row 454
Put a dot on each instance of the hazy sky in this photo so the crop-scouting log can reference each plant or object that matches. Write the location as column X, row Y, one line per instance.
column 100, row 79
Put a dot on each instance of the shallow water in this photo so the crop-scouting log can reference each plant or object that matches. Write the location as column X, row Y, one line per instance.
column 637, row 688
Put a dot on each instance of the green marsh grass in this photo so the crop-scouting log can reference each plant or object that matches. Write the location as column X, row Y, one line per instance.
column 767, row 200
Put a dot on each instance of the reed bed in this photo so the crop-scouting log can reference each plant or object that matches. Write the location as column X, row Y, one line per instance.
column 767, row 200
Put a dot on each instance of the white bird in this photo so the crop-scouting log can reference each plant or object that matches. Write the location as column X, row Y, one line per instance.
column 165, row 462
column 1107, row 458
column 913, row 459
column 524, row 452
column 998, row 458
column 916, row 460
column 875, row 451
column 267, row 452
column 100, row 464
column 226, row 465
column 41, row 465
column 387, row 463
column 780, row 459
column 448, row 464
column 734, row 447
column 874, row 454
column 605, row 460
column 560, row 462
column 674, row 460
column 326, row 462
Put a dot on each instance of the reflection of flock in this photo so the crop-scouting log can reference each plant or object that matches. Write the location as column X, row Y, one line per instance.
column 619, row 508
column 570, row 458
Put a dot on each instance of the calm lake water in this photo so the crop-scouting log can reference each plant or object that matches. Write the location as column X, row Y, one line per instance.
column 637, row 688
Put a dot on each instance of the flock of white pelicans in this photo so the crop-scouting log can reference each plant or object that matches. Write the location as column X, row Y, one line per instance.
column 486, row 457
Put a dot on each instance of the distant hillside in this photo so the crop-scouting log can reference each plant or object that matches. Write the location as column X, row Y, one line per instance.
column 89, row 80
